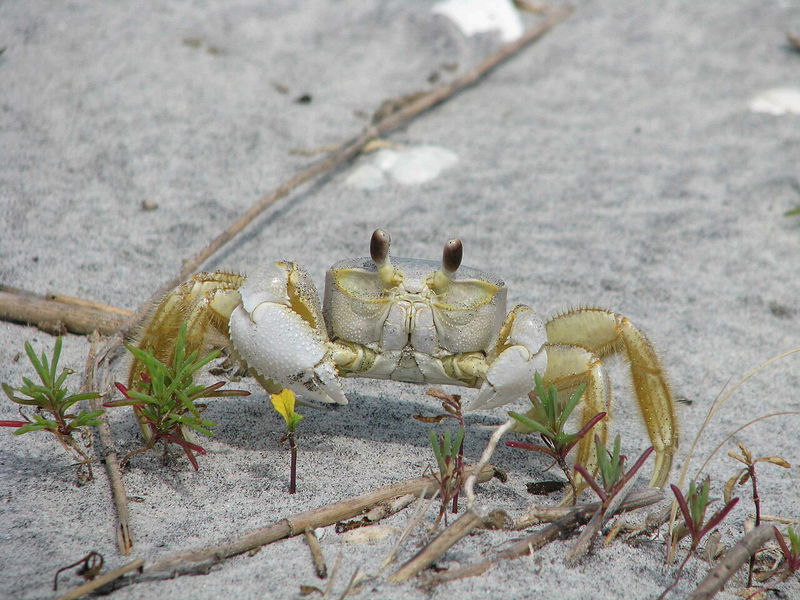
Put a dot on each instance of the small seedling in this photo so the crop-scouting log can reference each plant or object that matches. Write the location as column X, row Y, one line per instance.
column 451, row 469
column 164, row 402
column 790, row 551
column 53, row 403
column 742, row 476
column 693, row 508
column 90, row 567
column 451, row 404
column 611, row 468
column 548, row 416
column 283, row 403
column 614, row 480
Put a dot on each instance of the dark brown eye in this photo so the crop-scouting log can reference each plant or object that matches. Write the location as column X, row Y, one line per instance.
column 379, row 246
column 452, row 255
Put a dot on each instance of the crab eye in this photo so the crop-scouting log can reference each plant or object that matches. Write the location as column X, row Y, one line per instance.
column 379, row 246
column 452, row 255
column 379, row 250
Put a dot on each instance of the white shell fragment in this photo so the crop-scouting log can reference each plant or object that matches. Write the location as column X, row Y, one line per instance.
column 479, row 16
column 777, row 101
column 373, row 533
column 408, row 166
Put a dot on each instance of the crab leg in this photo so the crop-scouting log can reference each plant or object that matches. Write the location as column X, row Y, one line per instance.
column 205, row 302
column 567, row 368
column 603, row 333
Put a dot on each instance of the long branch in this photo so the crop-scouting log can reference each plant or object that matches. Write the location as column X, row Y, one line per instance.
column 124, row 535
column 576, row 516
column 733, row 559
column 460, row 528
column 297, row 524
column 101, row 580
column 54, row 312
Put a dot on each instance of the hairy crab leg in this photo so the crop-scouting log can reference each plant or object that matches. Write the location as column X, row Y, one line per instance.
column 604, row 333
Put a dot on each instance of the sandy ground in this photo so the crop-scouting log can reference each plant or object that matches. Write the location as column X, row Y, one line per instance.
column 617, row 163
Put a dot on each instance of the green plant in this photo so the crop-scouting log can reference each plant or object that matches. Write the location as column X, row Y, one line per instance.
column 451, row 404
column 611, row 489
column 548, row 416
column 53, row 404
column 693, row 507
column 745, row 474
column 283, row 402
column 165, row 401
column 451, row 469
column 611, row 468
column 790, row 551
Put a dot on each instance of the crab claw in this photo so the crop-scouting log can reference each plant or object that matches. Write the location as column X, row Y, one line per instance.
column 521, row 354
column 279, row 332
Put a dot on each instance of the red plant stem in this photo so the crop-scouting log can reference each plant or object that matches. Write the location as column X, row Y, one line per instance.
column 678, row 574
column 293, row 467
column 459, row 471
column 757, row 503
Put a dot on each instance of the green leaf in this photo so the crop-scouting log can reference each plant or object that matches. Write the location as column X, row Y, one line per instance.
column 61, row 378
column 87, row 418
column 38, row 366
column 571, row 404
column 29, row 428
column 437, row 450
column 75, row 398
column 54, row 363
column 531, row 424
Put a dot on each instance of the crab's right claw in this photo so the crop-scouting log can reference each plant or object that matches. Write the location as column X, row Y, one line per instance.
column 279, row 332
column 519, row 354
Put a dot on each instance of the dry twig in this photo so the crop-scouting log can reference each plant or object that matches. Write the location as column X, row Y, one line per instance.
column 102, row 580
column 55, row 313
column 320, row 568
column 733, row 559
column 577, row 515
column 460, row 528
column 202, row 559
column 91, row 382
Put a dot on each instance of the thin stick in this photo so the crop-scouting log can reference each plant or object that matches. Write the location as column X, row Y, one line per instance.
column 732, row 560
column 55, row 312
column 320, row 568
column 469, row 487
column 604, row 512
column 354, row 578
column 387, row 509
column 102, row 580
column 779, row 519
column 460, row 528
column 90, row 382
column 577, row 516
column 297, row 524
column 413, row 523
column 123, row 529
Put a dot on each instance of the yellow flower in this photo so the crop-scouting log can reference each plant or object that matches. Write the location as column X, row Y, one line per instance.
column 283, row 402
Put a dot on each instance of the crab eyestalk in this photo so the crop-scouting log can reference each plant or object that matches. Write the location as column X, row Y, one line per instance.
column 379, row 250
column 451, row 260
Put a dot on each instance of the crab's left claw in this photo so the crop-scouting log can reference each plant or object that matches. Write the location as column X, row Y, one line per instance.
column 279, row 332
column 519, row 353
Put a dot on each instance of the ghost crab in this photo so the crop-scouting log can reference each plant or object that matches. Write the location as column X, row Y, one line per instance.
column 416, row 321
